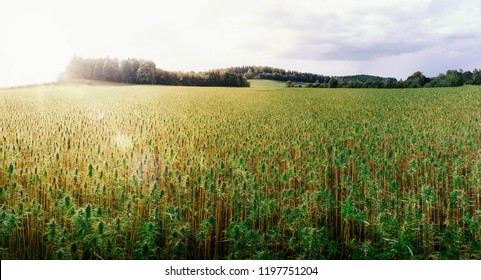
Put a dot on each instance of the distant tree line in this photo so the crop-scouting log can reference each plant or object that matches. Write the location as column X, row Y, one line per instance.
column 451, row 78
column 293, row 78
column 276, row 74
column 139, row 71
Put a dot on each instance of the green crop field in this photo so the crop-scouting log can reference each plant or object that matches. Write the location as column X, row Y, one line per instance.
column 157, row 172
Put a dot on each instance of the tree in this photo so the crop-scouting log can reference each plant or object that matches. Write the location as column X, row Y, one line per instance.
column 438, row 81
column 333, row 83
column 75, row 69
column 146, row 72
column 289, row 84
column 111, row 70
column 378, row 84
column 454, row 78
column 389, row 83
column 128, row 69
column 476, row 77
column 416, row 80
column 468, row 78
column 97, row 72
column 354, row 84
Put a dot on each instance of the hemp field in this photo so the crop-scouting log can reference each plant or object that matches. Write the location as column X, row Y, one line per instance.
column 157, row 172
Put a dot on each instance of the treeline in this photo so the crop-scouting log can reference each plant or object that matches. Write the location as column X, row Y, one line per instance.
column 277, row 74
column 367, row 81
column 356, row 81
column 452, row 78
column 293, row 78
column 139, row 71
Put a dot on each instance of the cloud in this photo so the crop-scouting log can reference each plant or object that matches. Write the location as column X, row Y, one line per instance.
column 422, row 35
column 350, row 50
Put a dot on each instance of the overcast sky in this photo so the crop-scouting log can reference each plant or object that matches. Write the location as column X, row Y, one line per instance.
column 333, row 37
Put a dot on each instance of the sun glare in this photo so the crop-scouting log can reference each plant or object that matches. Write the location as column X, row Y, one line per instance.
column 36, row 48
column 123, row 141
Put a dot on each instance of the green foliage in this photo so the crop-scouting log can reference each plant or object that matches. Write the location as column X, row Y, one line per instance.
column 277, row 74
column 333, row 83
column 203, row 173
column 135, row 71
column 416, row 80
column 146, row 72
column 9, row 221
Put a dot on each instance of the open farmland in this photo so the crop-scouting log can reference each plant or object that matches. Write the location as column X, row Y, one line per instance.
column 152, row 172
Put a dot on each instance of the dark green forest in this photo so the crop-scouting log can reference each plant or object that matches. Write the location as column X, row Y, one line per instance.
column 276, row 74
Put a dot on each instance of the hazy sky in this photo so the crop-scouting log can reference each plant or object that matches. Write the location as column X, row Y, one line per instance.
column 332, row 37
